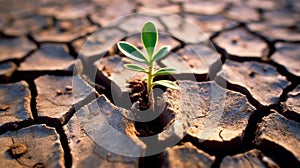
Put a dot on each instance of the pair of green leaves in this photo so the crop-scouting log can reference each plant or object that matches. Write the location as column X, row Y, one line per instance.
column 149, row 37
column 134, row 53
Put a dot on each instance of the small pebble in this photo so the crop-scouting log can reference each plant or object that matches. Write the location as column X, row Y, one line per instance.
column 17, row 150
column 59, row 92
column 251, row 73
column 38, row 165
column 68, row 88
column 4, row 107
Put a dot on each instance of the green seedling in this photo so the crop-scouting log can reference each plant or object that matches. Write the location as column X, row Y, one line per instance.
column 149, row 38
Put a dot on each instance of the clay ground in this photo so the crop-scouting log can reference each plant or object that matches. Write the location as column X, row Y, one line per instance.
column 241, row 109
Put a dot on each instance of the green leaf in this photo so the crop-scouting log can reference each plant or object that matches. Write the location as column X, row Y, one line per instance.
column 149, row 37
column 165, row 71
column 166, row 83
column 131, row 51
column 135, row 67
column 162, row 52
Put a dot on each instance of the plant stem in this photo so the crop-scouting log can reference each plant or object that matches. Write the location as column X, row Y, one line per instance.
column 150, row 79
column 150, row 86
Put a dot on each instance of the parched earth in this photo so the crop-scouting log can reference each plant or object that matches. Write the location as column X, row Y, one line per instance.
column 64, row 92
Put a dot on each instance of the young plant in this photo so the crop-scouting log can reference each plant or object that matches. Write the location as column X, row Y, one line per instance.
column 149, row 38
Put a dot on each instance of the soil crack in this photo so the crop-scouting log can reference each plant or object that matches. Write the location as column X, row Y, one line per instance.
column 221, row 135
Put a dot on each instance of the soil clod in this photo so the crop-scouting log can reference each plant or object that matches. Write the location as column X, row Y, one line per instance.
column 18, row 149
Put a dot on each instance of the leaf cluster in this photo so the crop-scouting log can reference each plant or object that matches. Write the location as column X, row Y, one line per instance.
column 149, row 38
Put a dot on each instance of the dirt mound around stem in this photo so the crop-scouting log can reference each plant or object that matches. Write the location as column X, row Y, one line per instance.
column 138, row 93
